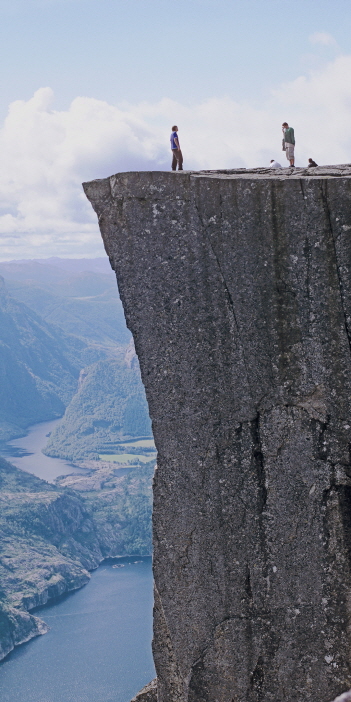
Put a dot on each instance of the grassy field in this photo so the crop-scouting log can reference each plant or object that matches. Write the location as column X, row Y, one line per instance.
column 140, row 443
column 126, row 457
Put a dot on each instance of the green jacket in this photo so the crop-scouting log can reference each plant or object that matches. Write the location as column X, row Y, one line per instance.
column 289, row 136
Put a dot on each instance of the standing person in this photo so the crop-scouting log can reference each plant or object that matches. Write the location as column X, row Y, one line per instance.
column 175, row 147
column 289, row 143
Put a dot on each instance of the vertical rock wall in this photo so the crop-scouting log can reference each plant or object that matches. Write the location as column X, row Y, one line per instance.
column 236, row 287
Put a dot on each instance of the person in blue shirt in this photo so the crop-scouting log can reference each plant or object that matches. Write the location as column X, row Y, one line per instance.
column 177, row 156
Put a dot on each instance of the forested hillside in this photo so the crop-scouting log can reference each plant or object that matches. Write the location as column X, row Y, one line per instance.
column 109, row 407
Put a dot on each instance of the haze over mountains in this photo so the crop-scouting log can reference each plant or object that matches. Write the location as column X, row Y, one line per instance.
column 80, row 296
column 60, row 317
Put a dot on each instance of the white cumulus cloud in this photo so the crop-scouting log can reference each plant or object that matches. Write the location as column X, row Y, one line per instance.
column 46, row 154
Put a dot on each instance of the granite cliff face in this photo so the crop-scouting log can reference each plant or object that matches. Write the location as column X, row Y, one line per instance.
column 236, row 286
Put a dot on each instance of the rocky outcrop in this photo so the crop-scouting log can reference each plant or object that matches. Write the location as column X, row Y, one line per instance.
column 17, row 627
column 236, row 286
column 51, row 537
column 48, row 543
column 149, row 693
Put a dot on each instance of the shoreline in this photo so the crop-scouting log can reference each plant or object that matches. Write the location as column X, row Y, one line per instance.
column 40, row 627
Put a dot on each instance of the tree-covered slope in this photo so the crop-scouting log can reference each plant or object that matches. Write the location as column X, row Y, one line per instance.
column 110, row 406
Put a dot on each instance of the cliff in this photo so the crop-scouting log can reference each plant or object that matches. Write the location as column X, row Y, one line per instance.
column 236, row 287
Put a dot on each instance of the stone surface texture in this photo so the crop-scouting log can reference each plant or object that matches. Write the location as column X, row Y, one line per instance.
column 236, row 286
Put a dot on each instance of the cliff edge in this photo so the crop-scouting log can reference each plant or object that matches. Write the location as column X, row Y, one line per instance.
column 236, row 286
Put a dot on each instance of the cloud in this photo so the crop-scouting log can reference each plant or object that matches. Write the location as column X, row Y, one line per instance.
column 46, row 154
column 323, row 38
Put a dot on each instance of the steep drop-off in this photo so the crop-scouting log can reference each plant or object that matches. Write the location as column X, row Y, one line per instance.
column 236, row 287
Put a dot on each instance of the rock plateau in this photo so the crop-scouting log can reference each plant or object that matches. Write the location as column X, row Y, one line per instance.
column 236, row 286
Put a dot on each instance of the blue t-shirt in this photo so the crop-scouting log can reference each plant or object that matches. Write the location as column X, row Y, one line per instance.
column 174, row 136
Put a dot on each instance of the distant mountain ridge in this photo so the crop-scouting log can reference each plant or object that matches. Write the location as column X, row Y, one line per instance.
column 65, row 265
column 80, row 297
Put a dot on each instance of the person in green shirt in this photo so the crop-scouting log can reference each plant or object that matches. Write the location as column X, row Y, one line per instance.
column 289, row 143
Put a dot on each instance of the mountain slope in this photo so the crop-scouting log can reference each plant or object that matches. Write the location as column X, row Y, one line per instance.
column 39, row 367
column 109, row 406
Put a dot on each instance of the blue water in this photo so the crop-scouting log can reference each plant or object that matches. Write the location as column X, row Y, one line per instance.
column 98, row 648
column 25, row 453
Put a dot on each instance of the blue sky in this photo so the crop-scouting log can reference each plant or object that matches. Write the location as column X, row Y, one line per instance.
column 135, row 50
column 91, row 87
